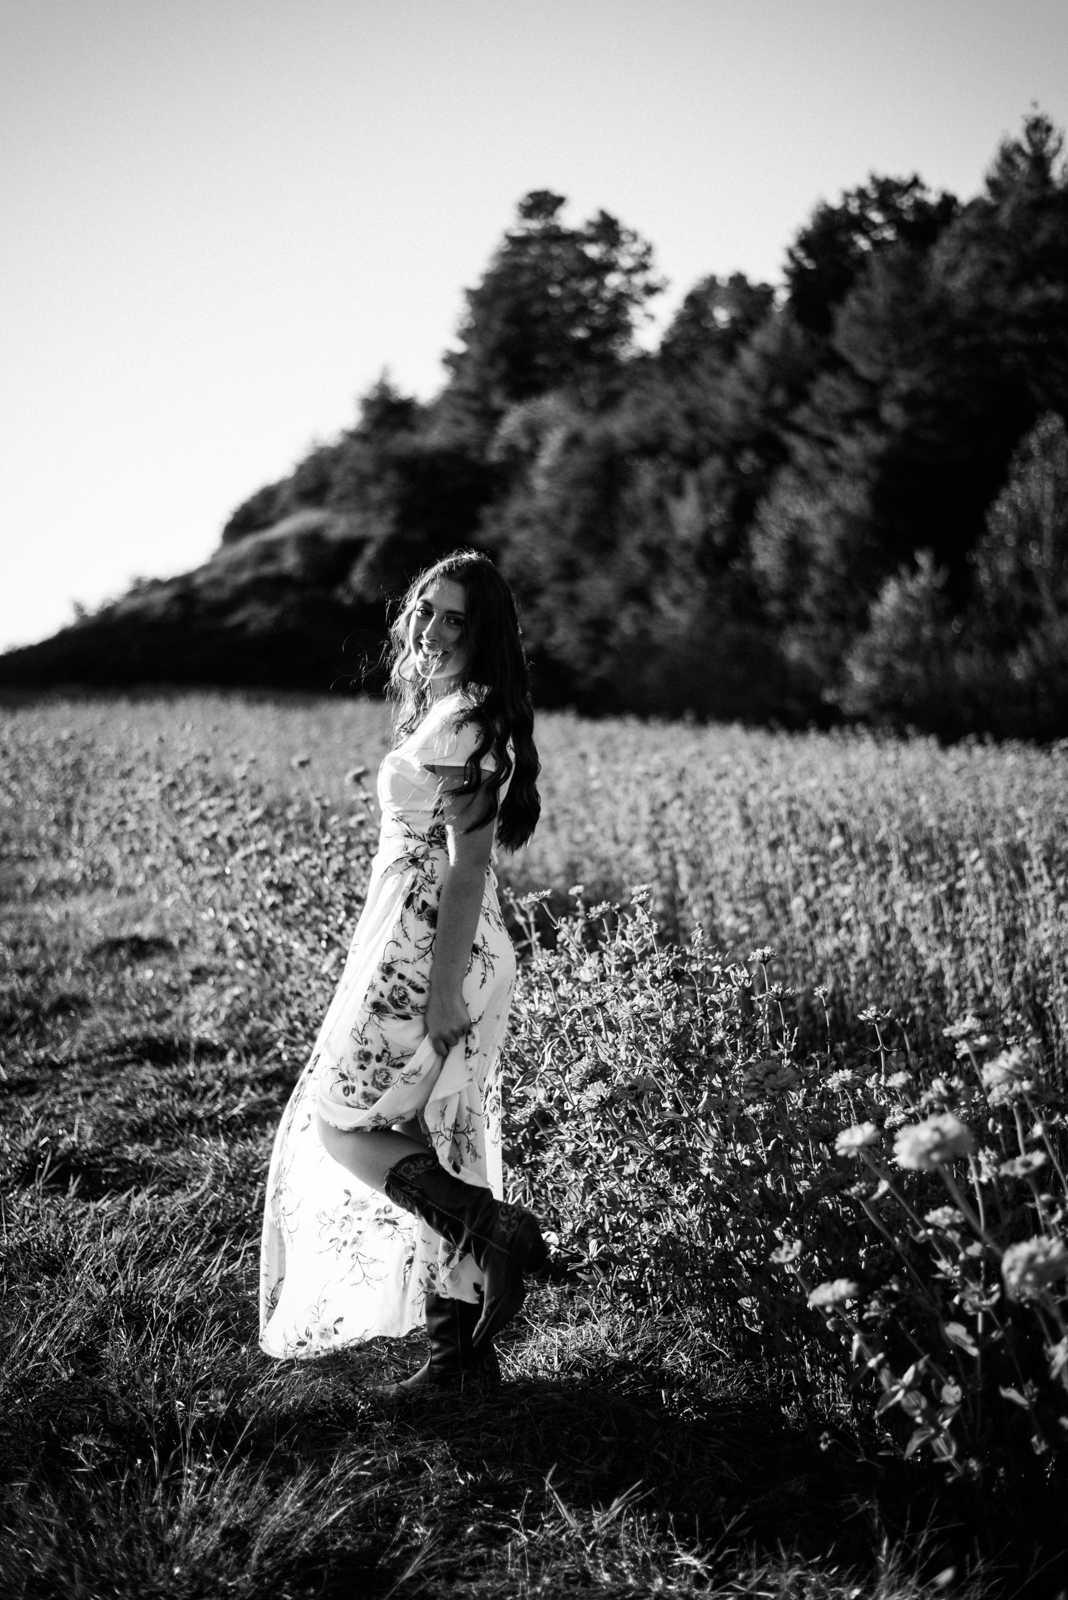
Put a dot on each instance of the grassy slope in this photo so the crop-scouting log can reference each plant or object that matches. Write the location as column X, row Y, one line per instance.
column 179, row 882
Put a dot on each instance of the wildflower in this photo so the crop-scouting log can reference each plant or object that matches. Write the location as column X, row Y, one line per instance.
column 835, row 1293
column 767, row 1077
column 593, row 1096
column 842, row 1079
column 963, row 1029
column 787, row 1253
column 851, row 1141
column 967, row 1047
column 944, row 1217
column 762, row 953
column 926, row 1145
column 641, row 893
column 899, row 1080
column 1023, row 1166
column 1005, row 1078
column 578, row 890
column 1030, row 1267
column 873, row 1014
column 534, row 898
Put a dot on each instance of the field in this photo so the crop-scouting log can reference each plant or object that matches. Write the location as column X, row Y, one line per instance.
column 787, row 1073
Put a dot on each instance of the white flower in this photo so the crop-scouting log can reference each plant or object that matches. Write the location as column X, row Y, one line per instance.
column 1005, row 1078
column 961, row 1030
column 944, row 1217
column 787, row 1253
column 1023, row 1166
column 964, row 1048
column 594, row 1095
column 835, row 1293
column 926, row 1145
column 841, row 1079
column 899, row 1080
column 851, row 1141
column 1030, row 1267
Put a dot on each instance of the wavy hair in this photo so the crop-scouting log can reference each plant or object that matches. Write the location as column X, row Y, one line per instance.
column 496, row 682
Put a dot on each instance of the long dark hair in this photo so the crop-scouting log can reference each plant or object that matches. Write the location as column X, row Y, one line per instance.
column 496, row 682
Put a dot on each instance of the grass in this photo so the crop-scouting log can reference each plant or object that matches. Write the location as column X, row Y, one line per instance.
column 179, row 878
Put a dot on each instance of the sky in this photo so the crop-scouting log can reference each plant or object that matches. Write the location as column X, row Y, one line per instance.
column 223, row 219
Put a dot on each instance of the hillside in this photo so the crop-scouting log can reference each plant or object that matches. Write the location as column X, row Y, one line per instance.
column 275, row 609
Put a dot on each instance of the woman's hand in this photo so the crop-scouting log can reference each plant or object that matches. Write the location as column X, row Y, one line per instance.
column 447, row 1020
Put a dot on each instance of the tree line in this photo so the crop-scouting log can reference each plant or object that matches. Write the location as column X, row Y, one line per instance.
column 846, row 496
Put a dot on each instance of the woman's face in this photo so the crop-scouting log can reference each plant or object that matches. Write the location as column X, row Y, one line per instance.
column 437, row 632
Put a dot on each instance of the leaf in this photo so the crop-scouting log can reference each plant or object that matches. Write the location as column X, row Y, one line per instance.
column 913, row 1403
column 1015, row 1396
column 956, row 1333
column 921, row 1436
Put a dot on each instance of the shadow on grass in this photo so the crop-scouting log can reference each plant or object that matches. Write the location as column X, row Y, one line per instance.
column 706, row 1467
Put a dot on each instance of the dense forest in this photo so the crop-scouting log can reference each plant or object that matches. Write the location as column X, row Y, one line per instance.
column 845, row 496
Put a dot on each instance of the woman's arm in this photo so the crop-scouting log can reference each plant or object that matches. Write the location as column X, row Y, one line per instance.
column 447, row 1017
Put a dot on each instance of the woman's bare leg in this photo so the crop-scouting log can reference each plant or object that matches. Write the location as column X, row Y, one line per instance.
column 369, row 1155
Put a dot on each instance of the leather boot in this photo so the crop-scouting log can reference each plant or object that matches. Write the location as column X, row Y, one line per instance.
column 504, row 1240
column 452, row 1363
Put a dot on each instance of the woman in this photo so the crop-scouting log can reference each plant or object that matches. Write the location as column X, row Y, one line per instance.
column 383, row 1198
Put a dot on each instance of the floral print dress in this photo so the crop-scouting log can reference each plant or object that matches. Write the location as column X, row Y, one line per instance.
column 339, row 1262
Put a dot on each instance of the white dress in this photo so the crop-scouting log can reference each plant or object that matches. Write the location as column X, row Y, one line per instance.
column 339, row 1262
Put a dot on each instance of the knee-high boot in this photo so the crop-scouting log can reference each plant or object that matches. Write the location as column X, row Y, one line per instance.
column 504, row 1240
column 452, row 1362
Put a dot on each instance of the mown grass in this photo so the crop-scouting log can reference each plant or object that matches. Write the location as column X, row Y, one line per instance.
column 180, row 876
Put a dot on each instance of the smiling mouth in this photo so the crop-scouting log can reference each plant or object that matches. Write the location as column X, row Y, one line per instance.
column 432, row 654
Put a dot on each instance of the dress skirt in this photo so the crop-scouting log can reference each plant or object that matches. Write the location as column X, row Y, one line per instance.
column 339, row 1262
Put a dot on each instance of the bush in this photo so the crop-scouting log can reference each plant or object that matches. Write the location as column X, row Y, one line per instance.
column 697, row 1149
